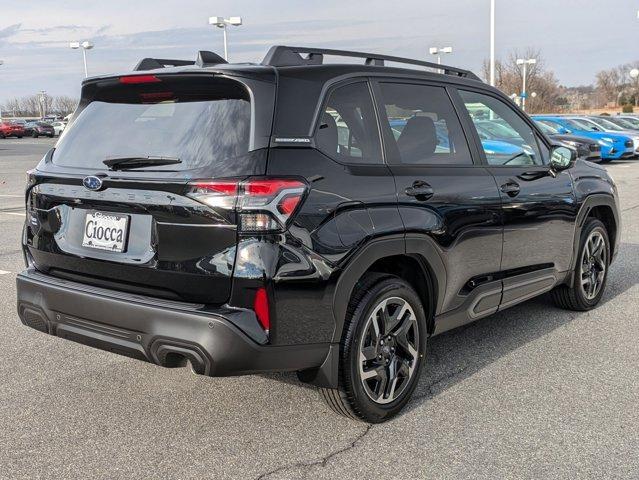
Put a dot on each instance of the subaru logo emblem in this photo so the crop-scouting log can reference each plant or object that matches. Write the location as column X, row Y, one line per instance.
column 92, row 183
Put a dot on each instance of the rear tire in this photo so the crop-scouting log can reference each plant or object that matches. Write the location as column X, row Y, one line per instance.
column 382, row 350
column 591, row 271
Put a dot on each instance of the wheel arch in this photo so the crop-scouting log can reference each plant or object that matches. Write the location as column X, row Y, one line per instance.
column 395, row 254
column 605, row 208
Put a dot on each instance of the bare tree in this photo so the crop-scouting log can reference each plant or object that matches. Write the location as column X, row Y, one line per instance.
column 64, row 104
column 39, row 104
column 12, row 106
column 615, row 84
column 30, row 105
column 539, row 79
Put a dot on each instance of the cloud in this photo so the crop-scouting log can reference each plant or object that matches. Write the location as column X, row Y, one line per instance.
column 57, row 28
column 405, row 28
column 102, row 29
column 10, row 31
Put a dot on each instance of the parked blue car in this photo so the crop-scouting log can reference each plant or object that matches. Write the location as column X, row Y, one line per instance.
column 613, row 146
column 496, row 150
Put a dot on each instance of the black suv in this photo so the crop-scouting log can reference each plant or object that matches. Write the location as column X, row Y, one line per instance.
column 297, row 215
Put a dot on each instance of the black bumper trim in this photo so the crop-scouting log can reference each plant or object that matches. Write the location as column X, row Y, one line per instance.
column 161, row 332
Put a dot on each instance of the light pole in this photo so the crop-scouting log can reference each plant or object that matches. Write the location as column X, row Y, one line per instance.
column 43, row 104
column 439, row 51
column 222, row 23
column 492, row 43
column 86, row 45
column 525, row 63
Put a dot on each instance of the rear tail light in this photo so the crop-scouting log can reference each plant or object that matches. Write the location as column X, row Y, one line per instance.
column 262, row 204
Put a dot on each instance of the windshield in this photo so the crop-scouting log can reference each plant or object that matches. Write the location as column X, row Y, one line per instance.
column 605, row 124
column 547, row 129
column 581, row 125
column 624, row 123
column 497, row 130
column 634, row 122
column 198, row 120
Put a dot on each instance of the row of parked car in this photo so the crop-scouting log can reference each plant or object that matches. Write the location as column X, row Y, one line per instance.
column 31, row 128
column 597, row 138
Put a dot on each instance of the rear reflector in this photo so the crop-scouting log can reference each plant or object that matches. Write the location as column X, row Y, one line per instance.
column 130, row 79
column 260, row 306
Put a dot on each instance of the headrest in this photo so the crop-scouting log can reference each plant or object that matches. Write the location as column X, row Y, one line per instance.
column 418, row 140
column 327, row 134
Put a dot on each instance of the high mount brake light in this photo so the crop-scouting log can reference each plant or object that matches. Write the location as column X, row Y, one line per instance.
column 263, row 204
column 133, row 79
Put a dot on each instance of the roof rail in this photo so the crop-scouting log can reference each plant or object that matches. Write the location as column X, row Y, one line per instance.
column 204, row 59
column 284, row 56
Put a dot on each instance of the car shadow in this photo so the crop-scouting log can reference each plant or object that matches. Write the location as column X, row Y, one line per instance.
column 458, row 354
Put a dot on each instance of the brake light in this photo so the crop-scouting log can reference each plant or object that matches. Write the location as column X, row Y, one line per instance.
column 132, row 79
column 262, row 204
column 261, row 309
column 269, row 186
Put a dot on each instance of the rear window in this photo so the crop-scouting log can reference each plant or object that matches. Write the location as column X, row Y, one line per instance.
column 200, row 120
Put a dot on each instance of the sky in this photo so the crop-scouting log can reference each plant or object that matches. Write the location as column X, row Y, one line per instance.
column 576, row 37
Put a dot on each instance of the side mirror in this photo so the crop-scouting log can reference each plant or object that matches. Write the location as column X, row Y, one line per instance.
column 562, row 158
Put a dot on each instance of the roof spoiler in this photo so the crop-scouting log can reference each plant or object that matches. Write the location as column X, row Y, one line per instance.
column 283, row 56
column 204, row 59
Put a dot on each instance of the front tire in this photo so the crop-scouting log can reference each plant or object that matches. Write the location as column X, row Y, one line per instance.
column 382, row 350
column 591, row 271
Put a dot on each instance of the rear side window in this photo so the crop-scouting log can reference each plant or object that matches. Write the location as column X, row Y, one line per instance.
column 505, row 137
column 424, row 125
column 198, row 120
column 348, row 130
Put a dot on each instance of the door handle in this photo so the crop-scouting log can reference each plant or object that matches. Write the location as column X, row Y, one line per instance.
column 511, row 188
column 420, row 190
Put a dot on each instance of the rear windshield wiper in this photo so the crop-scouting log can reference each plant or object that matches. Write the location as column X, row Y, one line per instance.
column 127, row 163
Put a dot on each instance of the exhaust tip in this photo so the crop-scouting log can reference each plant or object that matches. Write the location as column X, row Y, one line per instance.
column 172, row 355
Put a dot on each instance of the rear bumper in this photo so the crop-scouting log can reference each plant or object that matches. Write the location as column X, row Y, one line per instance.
column 166, row 333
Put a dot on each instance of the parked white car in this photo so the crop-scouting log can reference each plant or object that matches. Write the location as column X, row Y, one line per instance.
column 58, row 127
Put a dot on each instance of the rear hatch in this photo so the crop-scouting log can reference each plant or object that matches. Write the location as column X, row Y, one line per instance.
column 115, row 203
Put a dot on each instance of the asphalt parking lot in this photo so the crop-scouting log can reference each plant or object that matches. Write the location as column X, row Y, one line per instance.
column 534, row 392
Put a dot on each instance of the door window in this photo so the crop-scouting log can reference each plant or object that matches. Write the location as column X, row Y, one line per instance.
column 505, row 137
column 424, row 126
column 348, row 130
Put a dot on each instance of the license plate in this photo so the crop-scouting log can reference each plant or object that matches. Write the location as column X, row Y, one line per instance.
column 105, row 231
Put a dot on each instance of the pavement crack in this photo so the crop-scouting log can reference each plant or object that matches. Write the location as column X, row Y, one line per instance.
column 323, row 461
